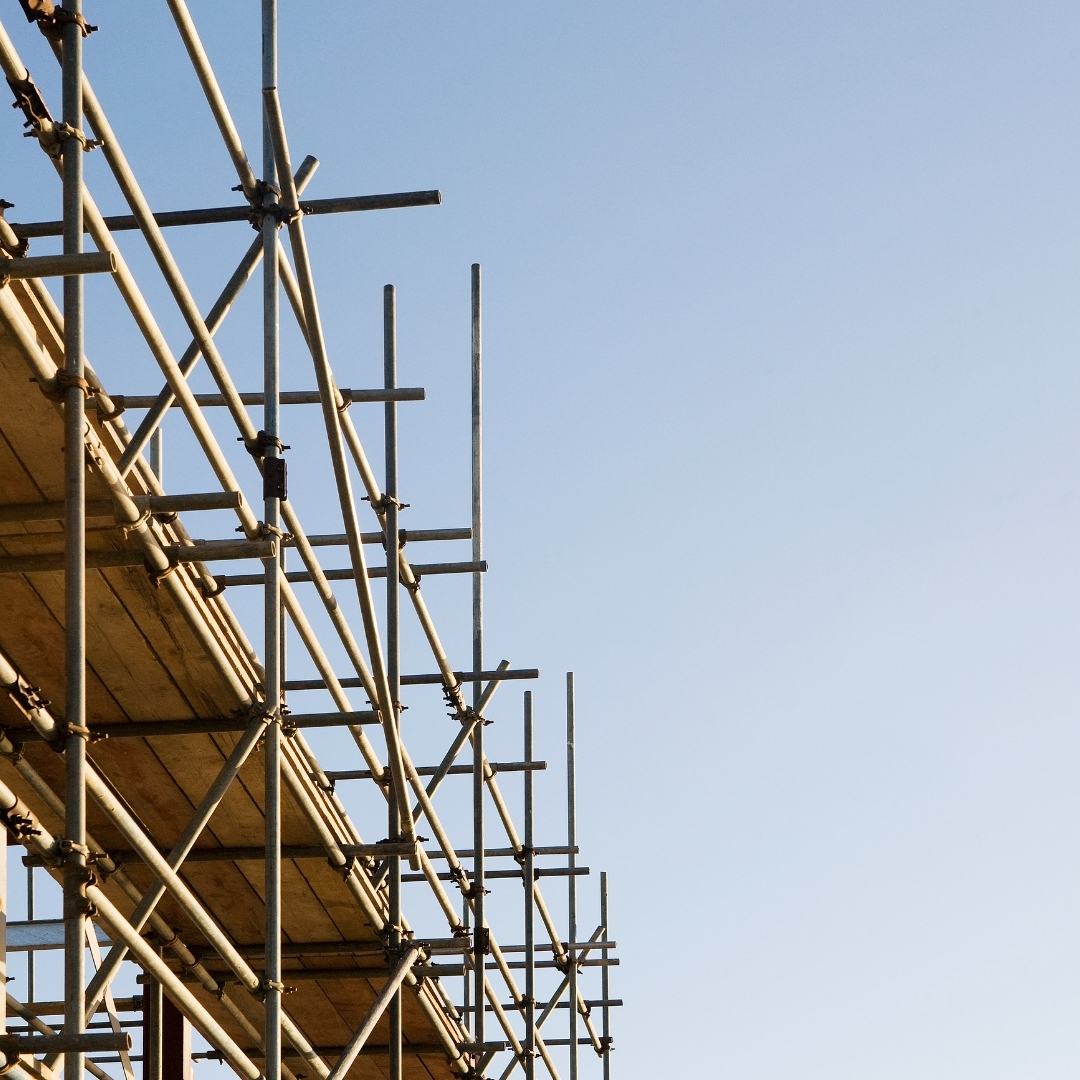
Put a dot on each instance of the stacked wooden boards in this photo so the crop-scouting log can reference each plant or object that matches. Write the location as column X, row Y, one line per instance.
column 148, row 659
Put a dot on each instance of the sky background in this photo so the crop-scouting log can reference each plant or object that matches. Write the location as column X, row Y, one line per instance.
column 781, row 459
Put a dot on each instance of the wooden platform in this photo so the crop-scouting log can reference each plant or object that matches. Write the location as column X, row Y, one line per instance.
column 146, row 662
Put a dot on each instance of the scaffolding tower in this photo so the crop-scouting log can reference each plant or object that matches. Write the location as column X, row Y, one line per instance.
column 152, row 759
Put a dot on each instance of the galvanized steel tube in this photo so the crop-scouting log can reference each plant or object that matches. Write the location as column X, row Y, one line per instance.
column 331, row 420
column 571, row 890
column 393, row 667
column 272, row 986
column 384, row 999
column 605, row 1029
column 530, row 917
column 74, row 547
column 480, row 928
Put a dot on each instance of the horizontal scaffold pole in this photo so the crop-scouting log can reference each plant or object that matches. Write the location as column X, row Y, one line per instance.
column 433, row 679
column 313, row 851
column 88, row 1042
column 200, row 551
column 306, row 949
column 431, row 770
column 557, row 871
column 349, row 396
column 411, row 536
column 105, row 508
column 213, row 215
column 301, row 576
column 152, row 729
column 92, row 262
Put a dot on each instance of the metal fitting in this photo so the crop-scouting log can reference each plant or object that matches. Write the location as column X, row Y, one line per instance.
column 51, row 136
column 20, row 826
column 158, row 576
column 210, row 592
column 51, row 19
column 384, row 502
column 56, row 388
column 29, row 100
column 258, row 446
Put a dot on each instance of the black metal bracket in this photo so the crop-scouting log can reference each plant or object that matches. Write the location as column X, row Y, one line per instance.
column 20, row 827
column 482, row 936
column 275, row 478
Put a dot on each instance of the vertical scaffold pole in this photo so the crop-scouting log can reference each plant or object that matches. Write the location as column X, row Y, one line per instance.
column 571, row 842
column 393, row 649
column 153, row 1004
column 74, row 545
column 273, row 492
column 31, row 955
column 480, row 926
column 604, row 988
column 3, row 923
column 529, row 873
column 466, row 997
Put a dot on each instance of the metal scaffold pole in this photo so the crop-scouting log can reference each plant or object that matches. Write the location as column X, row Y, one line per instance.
column 393, row 652
column 571, row 843
column 274, row 490
column 605, row 994
column 477, row 457
column 529, row 875
column 74, row 397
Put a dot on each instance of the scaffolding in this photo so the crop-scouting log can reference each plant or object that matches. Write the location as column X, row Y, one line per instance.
column 229, row 883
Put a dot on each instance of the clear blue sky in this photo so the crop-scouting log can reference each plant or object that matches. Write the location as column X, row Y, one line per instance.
column 782, row 450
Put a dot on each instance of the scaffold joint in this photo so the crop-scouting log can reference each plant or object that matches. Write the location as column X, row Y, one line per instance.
column 20, row 826
column 262, row 442
column 29, row 698
column 16, row 753
column 51, row 19
column 158, row 576
column 210, row 592
column 288, row 727
column 29, row 100
column 347, row 868
column 384, row 502
column 52, row 136
column 56, row 388
column 265, row 200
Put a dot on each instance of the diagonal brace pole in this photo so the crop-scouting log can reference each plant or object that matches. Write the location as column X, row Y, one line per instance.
column 332, row 420
column 467, row 725
column 139, row 917
column 214, row 318
column 549, row 1008
column 378, row 1007
column 110, row 1003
